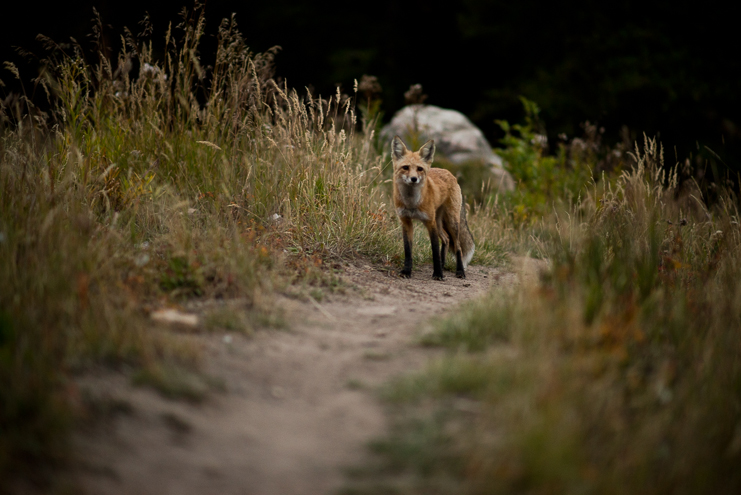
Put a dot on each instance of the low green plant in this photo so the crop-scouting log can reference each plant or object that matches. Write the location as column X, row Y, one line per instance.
column 182, row 277
column 542, row 179
column 474, row 327
column 177, row 382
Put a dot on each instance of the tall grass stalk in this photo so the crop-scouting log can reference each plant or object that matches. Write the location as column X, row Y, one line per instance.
column 154, row 179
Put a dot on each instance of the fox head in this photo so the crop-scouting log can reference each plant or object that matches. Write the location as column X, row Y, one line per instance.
column 411, row 168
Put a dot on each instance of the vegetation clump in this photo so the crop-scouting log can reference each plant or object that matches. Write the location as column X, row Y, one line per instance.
column 153, row 180
column 617, row 372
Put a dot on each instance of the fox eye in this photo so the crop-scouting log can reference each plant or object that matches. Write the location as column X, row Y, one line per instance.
column 419, row 169
column 405, row 167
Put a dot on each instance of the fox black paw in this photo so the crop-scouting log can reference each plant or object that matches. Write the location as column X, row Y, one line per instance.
column 460, row 274
column 405, row 274
column 438, row 277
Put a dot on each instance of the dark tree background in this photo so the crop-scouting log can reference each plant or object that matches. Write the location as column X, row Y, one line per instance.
column 666, row 68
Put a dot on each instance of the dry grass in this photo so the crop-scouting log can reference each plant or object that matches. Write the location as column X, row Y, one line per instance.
column 152, row 182
column 620, row 373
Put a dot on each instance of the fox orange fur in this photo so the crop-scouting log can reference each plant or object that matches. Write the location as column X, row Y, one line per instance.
column 432, row 196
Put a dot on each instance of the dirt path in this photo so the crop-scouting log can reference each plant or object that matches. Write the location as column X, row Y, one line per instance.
column 299, row 404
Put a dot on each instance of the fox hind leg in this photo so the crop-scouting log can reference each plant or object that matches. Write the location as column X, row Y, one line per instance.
column 444, row 240
column 460, row 272
column 437, row 267
column 452, row 226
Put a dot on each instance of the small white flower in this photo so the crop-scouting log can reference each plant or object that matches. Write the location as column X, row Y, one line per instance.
column 152, row 71
column 149, row 69
column 141, row 260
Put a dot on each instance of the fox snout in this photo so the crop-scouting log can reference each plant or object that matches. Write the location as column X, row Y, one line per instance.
column 411, row 172
column 412, row 179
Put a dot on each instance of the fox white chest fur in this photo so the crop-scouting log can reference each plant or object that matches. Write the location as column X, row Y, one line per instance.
column 411, row 196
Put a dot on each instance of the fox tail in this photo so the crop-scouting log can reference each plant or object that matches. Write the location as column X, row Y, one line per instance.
column 465, row 237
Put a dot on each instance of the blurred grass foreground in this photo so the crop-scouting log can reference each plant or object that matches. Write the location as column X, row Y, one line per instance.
column 153, row 180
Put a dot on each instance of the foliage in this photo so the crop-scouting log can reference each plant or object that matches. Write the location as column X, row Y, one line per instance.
column 541, row 178
column 151, row 182
column 618, row 372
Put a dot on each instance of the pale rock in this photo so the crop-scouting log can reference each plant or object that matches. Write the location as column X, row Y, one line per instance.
column 456, row 138
column 175, row 317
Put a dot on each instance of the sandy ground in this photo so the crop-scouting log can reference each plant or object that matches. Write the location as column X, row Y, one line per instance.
column 299, row 404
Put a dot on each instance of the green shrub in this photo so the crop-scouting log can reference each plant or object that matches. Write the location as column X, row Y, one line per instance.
column 542, row 179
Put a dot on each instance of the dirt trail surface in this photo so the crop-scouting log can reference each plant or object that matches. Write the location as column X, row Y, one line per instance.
column 298, row 405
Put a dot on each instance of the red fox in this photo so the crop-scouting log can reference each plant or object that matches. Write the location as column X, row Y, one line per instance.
column 431, row 195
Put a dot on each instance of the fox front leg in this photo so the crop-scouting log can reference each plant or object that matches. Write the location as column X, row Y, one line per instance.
column 437, row 266
column 443, row 251
column 408, row 233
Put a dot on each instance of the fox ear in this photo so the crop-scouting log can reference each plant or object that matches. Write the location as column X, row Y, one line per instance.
column 427, row 151
column 398, row 149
